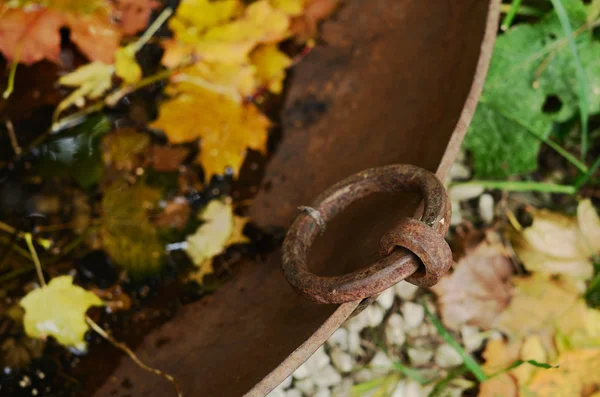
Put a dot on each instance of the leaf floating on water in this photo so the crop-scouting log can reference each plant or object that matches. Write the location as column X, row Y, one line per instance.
column 58, row 310
column 90, row 81
column 270, row 67
column 559, row 244
column 237, row 235
column 210, row 239
column 128, row 235
column 122, row 148
column 290, row 7
column 126, row 66
column 226, row 129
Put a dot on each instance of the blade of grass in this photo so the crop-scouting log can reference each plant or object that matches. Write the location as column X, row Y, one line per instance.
column 518, row 363
column 469, row 361
column 581, row 78
column 410, row 373
column 585, row 178
column 522, row 186
column 511, row 14
column 442, row 384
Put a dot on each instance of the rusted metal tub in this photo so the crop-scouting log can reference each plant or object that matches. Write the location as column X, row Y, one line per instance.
column 393, row 82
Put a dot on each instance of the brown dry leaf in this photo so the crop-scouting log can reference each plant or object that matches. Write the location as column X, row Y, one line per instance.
column 226, row 129
column 304, row 26
column 559, row 244
column 175, row 215
column 577, row 375
column 166, row 158
column 133, row 15
column 498, row 356
column 479, row 288
column 31, row 32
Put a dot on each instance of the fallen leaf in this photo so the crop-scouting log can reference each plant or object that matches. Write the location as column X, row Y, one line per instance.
column 577, row 375
column 479, row 288
column 237, row 235
column 559, row 244
column 290, row 7
column 541, row 304
column 175, row 215
column 216, row 39
column 498, row 356
column 58, row 310
column 304, row 26
column 226, row 129
column 166, row 158
column 270, row 66
column 90, row 81
column 128, row 235
column 126, row 67
column 31, row 31
column 210, row 239
column 123, row 147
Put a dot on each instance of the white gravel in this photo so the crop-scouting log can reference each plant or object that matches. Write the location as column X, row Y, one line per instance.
column 413, row 315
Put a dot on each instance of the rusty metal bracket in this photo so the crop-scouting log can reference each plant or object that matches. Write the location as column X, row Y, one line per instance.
column 414, row 250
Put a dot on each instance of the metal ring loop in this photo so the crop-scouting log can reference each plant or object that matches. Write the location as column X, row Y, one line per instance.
column 398, row 265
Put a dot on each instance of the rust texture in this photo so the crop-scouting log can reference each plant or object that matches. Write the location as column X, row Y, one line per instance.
column 390, row 82
column 430, row 258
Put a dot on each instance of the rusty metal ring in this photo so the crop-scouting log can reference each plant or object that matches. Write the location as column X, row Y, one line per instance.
column 398, row 265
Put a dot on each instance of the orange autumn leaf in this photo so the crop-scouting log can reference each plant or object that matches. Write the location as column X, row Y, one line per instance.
column 226, row 129
column 31, row 34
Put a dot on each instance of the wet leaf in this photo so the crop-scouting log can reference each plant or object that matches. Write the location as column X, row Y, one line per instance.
column 122, row 148
column 210, row 239
column 90, row 81
column 290, row 7
column 530, row 66
column 31, row 30
column 214, row 38
column 559, row 244
column 479, row 288
column 270, row 67
column 128, row 234
column 226, row 129
column 175, row 215
column 76, row 152
column 58, row 310
column 165, row 158
column 237, row 235
column 126, row 66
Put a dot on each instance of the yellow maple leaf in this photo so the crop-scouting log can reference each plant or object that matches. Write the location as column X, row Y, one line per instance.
column 237, row 235
column 58, row 310
column 229, row 42
column 193, row 17
column 270, row 66
column 290, row 7
column 210, row 239
column 226, row 128
column 90, row 81
column 234, row 80
column 126, row 67
column 559, row 244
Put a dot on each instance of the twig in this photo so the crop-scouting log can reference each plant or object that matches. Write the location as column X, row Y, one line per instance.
column 10, row 86
column 36, row 260
column 510, row 15
column 132, row 355
column 152, row 29
column 13, row 137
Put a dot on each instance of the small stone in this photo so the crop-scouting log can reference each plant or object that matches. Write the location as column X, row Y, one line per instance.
column 413, row 389
column 343, row 389
column 339, row 338
column 326, row 377
column 471, row 338
column 394, row 330
column 456, row 214
column 406, row 290
column 293, row 393
column 354, row 346
column 381, row 363
column 465, row 192
column 459, row 171
column 306, row 386
column 341, row 360
column 386, row 299
column 413, row 315
column 286, row 383
column 363, row 375
column 316, row 362
column 276, row 393
column 419, row 356
column 323, row 393
column 486, row 208
column 447, row 357
column 358, row 322
column 374, row 315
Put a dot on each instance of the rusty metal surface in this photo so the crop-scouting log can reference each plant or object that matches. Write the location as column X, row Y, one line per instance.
column 392, row 82
column 424, row 238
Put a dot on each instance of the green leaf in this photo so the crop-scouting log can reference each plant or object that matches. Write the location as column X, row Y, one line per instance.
column 531, row 64
column 128, row 235
column 58, row 310
column 75, row 152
